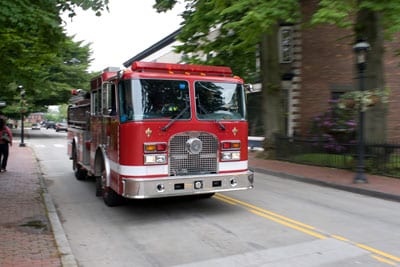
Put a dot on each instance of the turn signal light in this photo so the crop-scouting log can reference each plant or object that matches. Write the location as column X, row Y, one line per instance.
column 155, row 147
column 230, row 145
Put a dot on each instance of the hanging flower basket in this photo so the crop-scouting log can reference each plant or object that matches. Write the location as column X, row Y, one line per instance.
column 374, row 100
column 349, row 103
column 363, row 99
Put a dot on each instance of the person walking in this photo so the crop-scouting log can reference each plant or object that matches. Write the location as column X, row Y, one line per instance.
column 5, row 141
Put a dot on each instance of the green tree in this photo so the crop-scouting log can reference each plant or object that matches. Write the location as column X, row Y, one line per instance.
column 247, row 26
column 35, row 51
column 241, row 31
column 63, row 112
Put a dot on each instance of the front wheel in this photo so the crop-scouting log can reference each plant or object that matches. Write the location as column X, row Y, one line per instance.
column 99, row 190
column 110, row 197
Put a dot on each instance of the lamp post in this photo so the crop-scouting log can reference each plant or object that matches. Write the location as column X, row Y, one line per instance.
column 22, row 94
column 361, row 48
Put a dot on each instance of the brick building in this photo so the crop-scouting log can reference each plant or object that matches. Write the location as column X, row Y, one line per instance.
column 323, row 63
column 35, row 117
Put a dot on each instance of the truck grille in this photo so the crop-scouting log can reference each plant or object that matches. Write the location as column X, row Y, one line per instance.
column 182, row 162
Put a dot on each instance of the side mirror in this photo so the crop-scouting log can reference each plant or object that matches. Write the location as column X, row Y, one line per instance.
column 249, row 87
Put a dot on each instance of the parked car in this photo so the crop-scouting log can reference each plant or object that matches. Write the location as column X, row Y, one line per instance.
column 35, row 126
column 50, row 125
column 61, row 126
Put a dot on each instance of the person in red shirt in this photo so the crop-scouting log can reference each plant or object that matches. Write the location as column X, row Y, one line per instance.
column 5, row 141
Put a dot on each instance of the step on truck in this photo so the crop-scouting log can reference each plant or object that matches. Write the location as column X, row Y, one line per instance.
column 160, row 130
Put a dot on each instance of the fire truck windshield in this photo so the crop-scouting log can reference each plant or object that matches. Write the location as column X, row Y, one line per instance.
column 219, row 101
column 142, row 99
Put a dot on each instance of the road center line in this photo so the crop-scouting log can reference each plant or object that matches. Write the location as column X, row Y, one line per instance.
column 225, row 200
column 379, row 252
column 305, row 228
column 293, row 226
column 341, row 238
column 384, row 260
column 266, row 211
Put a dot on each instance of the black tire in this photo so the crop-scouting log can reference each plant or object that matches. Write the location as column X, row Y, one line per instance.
column 99, row 190
column 110, row 197
column 80, row 173
column 74, row 158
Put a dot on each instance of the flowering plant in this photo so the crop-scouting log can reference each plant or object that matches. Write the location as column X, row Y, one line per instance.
column 337, row 127
column 363, row 99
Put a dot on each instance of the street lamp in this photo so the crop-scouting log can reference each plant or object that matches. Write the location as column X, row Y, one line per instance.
column 22, row 94
column 72, row 61
column 361, row 48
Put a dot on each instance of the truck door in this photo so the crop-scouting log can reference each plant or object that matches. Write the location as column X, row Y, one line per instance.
column 109, row 119
column 86, row 138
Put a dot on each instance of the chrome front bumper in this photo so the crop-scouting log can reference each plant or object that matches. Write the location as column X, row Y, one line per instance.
column 140, row 188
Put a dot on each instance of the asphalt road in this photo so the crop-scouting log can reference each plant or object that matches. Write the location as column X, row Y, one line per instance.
column 278, row 223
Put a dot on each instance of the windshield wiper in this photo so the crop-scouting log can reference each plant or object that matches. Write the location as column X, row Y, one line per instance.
column 221, row 126
column 175, row 118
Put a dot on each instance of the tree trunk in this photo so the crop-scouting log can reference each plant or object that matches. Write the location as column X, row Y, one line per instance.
column 271, row 86
column 369, row 27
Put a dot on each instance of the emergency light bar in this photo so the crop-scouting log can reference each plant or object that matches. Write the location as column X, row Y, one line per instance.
column 181, row 68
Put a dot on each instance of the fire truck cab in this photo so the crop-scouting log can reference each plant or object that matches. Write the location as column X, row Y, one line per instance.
column 159, row 130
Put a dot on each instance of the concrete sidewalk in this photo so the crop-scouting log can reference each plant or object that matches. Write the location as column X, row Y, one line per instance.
column 31, row 234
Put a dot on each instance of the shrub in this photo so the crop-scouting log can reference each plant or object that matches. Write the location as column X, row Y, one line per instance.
column 336, row 127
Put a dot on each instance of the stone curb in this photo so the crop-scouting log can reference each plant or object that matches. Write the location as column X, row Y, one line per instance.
column 66, row 256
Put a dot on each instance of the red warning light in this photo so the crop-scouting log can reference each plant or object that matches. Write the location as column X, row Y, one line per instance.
column 181, row 68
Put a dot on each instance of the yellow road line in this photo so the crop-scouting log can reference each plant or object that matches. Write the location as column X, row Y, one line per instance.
column 296, row 227
column 341, row 238
column 225, row 200
column 384, row 260
column 379, row 252
column 266, row 211
column 305, row 228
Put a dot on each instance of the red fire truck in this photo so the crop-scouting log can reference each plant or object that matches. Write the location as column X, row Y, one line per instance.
column 158, row 130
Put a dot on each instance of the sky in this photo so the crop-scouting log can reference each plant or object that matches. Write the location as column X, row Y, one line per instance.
column 127, row 29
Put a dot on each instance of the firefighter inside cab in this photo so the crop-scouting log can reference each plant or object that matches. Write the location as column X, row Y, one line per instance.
column 159, row 130
column 156, row 99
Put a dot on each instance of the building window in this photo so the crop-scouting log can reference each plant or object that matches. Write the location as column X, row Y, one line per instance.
column 285, row 39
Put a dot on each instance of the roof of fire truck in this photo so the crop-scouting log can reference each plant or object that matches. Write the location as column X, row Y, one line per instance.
column 138, row 68
column 188, row 69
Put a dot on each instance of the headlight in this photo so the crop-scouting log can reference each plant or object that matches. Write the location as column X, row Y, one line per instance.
column 226, row 156
column 235, row 155
column 194, row 146
column 155, row 159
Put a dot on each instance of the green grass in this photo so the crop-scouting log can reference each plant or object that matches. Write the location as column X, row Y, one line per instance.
column 390, row 168
column 321, row 159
